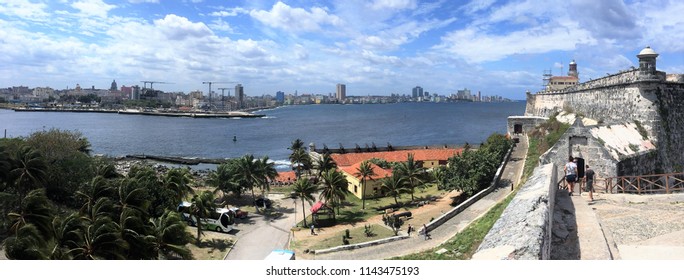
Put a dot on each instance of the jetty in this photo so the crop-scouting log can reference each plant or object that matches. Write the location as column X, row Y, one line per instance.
column 178, row 160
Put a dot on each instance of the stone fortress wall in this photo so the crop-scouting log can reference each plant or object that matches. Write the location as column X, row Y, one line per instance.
column 619, row 104
column 642, row 95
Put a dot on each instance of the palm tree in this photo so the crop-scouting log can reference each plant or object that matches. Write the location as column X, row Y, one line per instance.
column 304, row 190
column 248, row 172
column 267, row 173
column 394, row 186
column 334, row 188
column 412, row 173
column 365, row 171
column 169, row 237
column 179, row 180
column 34, row 210
column 296, row 145
column 91, row 192
column 99, row 240
column 202, row 206
column 224, row 180
column 29, row 171
column 439, row 174
column 325, row 163
column 300, row 160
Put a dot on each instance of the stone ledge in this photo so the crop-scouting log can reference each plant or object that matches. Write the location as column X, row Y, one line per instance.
column 523, row 230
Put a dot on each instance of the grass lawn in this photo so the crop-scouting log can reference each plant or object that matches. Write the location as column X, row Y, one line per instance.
column 214, row 246
column 357, row 235
column 352, row 212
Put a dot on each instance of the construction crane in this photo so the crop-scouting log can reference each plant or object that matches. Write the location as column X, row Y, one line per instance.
column 152, row 83
column 210, row 83
column 223, row 102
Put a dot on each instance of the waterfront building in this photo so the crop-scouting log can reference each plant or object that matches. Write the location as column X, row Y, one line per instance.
column 280, row 97
column 341, row 92
column 240, row 96
column 417, row 93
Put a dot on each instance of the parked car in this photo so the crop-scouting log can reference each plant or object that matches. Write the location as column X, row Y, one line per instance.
column 239, row 213
column 260, row 202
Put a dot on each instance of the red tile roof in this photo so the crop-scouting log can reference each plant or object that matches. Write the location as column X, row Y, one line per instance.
column 287, row 176
column 379, row 172
column 349, row 159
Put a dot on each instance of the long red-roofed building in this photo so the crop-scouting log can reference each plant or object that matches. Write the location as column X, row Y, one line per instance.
column 428, row 157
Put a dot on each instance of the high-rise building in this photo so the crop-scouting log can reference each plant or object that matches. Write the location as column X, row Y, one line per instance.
column 280, row 97
column 341, row 92
column 240, row 95
column 417, row 92
column 113, row 87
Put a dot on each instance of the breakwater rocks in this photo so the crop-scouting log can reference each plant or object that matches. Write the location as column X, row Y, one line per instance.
column 178, row 160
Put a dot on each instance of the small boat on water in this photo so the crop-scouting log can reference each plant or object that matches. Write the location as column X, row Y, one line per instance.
column 234, row 138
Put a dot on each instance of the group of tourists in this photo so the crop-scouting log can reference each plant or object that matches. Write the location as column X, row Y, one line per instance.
column 571, row 177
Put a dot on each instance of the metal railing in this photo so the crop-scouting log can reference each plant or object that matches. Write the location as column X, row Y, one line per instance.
column 646, row 184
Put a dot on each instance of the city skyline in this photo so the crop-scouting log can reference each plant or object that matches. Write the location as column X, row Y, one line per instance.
column 373, row 47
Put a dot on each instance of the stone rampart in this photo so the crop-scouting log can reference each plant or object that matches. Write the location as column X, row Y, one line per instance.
column 656, row 102
column 523, row 232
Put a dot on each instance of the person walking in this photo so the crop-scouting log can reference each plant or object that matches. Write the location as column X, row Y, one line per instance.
column 425, row 232
column 570, row 174
column 409, row 230
column 312, row 230
column 589, row 181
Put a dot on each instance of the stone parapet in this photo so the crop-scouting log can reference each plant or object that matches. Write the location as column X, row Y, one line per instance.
column 523, row 232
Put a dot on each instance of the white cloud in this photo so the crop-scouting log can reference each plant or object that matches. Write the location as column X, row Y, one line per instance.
column 393, row 4
column 229, row 12
column 25, row 9
column 477, row 6
column 295, row 20
column 179, row 28
column 475, row 45
column 143, row 1
column 95, row 8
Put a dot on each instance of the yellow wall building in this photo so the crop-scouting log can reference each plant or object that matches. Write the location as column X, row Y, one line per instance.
column 373, row 184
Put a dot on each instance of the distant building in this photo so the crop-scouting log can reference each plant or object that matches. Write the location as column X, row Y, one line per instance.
column 373, row 184
column 556, row 83
column 240, row 95
column 417, row 92
column 280, row 97
column 341, row 92
column 113, row 87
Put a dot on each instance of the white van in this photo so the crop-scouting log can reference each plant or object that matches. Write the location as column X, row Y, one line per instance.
column 222, row 220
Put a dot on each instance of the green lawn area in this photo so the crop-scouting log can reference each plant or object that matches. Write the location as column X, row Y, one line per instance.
column 352, row 212
column 357, row 235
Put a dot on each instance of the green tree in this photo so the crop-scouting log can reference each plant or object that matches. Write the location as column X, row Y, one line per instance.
column 99, row 240
column 29, row 171
column 304, row 189
column 202, row 206
column 69, row 164
column 334, row 189
column 412, row 173
column 394, row 186
column 179, row 181
column 248, row 172
column 300, row 160
column 325, row 163
column 266, row 173
column 365, row 171
column 169, row 237
column 225, row 180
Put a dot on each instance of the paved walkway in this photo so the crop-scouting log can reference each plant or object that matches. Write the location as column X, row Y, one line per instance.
column 443, row 233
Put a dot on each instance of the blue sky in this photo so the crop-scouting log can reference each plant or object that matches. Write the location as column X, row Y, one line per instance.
column 375, row 47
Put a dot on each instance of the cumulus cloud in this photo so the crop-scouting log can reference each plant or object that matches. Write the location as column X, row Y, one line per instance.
column 94, row 8
column 295, row 20
column 143, row 1
column 179, row 28
column 25, row 9
column 610, row 19
column 476, row 46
